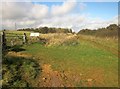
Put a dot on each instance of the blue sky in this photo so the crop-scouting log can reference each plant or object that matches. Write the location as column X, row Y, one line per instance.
column 74, row 15
column 105, row 10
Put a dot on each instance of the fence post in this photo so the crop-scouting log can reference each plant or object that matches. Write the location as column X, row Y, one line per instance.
column 3, row 40
column 24, row 38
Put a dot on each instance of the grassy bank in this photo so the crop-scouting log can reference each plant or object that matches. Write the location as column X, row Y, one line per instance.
column 78, row 60
column 87, row 57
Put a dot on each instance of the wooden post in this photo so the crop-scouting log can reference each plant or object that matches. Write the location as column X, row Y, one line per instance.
column 24, row 38
column 3, row 41
column 12, row 43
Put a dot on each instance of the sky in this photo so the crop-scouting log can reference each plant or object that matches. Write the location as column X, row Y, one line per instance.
column 65, row 14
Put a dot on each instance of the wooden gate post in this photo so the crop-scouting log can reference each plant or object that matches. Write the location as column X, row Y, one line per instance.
column 3, row 40
column 24, row 38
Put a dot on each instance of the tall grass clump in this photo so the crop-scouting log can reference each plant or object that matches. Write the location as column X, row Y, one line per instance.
column 15, row 70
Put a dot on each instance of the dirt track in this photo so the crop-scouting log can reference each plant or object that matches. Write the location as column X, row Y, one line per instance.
column 50, row 78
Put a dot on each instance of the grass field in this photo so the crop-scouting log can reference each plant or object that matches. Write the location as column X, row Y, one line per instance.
column 71, row 60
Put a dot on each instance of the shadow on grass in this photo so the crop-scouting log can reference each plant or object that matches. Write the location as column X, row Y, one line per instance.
column 17, row 48
column 19, row 71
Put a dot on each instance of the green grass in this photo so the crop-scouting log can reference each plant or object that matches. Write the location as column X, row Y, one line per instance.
column 15, row 37
column 95, row 58
column 17, row 32
column 84, row 58
column 108, row 42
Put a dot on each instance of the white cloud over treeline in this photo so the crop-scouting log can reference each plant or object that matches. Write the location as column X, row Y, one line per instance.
column 28, row 14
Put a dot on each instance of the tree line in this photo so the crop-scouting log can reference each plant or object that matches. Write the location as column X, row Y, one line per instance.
column 109, row 31
column 45, row 30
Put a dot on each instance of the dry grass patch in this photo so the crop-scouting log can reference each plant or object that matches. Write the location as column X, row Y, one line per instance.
column 58, row 38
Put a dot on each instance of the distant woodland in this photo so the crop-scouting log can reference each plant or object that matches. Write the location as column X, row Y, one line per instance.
column 45, row 30
column 110, row 31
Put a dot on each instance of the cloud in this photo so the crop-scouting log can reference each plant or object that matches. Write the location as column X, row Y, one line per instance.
column 82, row 6
column 59, row 0
column 39, row 11
column 23, row 13
column 64, row 21
column 16, row 0
column 13, row 11
column 94, row 23
column 65, row 8
column 77, row 22
column 22, row 10
column 27, row 14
